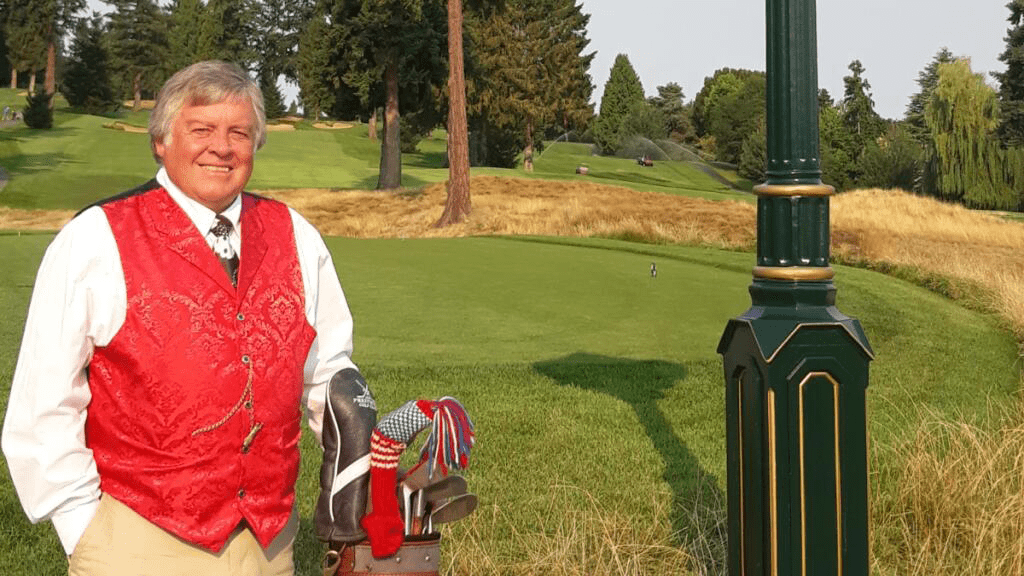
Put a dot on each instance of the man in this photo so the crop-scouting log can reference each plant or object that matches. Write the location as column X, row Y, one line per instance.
column 175, row 333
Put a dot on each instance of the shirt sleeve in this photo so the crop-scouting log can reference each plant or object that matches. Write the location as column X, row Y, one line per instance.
column 78, row 302
column 328, row 313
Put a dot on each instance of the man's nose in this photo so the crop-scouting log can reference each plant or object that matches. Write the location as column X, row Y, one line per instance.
column 221, row 143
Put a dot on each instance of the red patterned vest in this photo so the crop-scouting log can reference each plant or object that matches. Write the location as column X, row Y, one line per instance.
column 196, row 402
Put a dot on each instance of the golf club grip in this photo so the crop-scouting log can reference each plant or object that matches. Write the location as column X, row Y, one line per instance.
column 349, row 418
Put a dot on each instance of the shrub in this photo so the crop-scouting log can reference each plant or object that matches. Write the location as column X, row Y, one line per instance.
column 37, row 112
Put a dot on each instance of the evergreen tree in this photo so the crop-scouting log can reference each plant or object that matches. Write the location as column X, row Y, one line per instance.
column 622, row 93
column 5, row 62
column 37, row 112
column 391, row 51
column 892, row 161
column 186, row 17
column 273, row 102
column 315, row 75
column 26, row 37
column 1011, row 82
column 964, row 161
column 670, row 101
column 858, row 109
column 457, row 203
column 224, row 31
column 926, row 81
column 138, row 48
column 86, row 84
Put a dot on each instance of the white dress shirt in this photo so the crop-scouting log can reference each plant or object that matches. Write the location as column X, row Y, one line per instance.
column 79, row 302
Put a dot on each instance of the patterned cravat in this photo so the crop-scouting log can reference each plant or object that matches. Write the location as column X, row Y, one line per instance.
column 222, row 247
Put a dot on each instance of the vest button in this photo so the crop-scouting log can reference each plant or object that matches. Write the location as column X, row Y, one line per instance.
column 245, row 359
column 240, row 316
column 241, row 493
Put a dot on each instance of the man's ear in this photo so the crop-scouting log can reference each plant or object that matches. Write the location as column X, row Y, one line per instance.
column 158, row 148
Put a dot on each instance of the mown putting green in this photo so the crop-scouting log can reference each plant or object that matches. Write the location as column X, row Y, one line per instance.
column 578, row 368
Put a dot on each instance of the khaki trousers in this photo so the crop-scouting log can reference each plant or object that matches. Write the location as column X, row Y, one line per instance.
column 119, row 542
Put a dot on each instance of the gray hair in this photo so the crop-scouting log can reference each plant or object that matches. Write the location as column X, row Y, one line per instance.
column 203, row 83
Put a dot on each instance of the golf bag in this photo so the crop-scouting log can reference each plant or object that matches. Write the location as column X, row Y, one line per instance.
column 418, row 556
column 349, row 418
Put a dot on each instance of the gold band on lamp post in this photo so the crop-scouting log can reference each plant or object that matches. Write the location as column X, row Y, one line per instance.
column 794, row 190
column 794, row 273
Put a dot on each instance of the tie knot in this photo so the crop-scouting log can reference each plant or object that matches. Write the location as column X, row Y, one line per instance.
column 221, row 227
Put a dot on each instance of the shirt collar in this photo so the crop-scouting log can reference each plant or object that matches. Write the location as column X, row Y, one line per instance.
column 200, row 215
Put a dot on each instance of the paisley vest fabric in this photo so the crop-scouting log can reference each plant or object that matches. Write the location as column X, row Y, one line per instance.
column 196, row 402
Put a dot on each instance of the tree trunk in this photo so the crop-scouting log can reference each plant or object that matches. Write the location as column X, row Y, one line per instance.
column 137, row 91
column 372, row 133
column 457, row 206
column 528, row 151
column 390, row 152
column 50, row 83
column 32, row 81
column 14, row 78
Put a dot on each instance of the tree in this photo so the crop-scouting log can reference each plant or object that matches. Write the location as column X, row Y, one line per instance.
column 670, row 101
column 38, row 113
column 622, row 92
column 965, row 162
column 837, row 167
column 389, row 51
column 728, row 109
column 223, row 32
column 138, row 48
column 892, row 161
column 86, row 83
column 858, row 109
column 754, row 155
column 457, row 205
column 26, row 37
column 926, row 81
column 1011, row 82
column 315, row 75
column 186, row 17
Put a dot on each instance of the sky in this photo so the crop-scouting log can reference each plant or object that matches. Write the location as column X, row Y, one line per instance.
column 684, row 41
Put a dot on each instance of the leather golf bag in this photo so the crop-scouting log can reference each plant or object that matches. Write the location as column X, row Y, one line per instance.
column 418, row 556
column 349, row 418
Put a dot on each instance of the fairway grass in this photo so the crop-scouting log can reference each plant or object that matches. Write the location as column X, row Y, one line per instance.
column 595, row 388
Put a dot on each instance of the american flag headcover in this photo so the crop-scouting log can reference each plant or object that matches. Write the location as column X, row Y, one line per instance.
column 447, row 448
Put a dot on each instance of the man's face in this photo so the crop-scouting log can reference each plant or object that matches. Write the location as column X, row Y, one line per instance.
column 208, row 153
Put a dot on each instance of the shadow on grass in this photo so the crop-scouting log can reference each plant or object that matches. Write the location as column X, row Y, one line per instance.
column 698, row 512
column 370, row 182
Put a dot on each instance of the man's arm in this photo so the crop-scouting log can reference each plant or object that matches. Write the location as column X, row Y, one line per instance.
column 328, row 313
column 77, row 302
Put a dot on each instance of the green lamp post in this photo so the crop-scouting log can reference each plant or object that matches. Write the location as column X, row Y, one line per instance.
column 796, row 368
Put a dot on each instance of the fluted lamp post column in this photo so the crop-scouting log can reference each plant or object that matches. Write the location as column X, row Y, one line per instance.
column 796, row 368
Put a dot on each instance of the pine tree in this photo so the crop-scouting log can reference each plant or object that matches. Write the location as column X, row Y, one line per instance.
column 670, row 101
column 622, row 93
column 86, row 83
column 1011, row 82
column 458, row 203
column 926, row 81
column 314, row 72
column 858, row 110
column 25, row 34
column 37, row 112
column 223, row 32
column 138, row 48
column 186, row 17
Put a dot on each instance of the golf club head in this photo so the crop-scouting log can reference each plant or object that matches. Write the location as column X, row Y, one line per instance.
column 453, row 509
column 445, row 488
